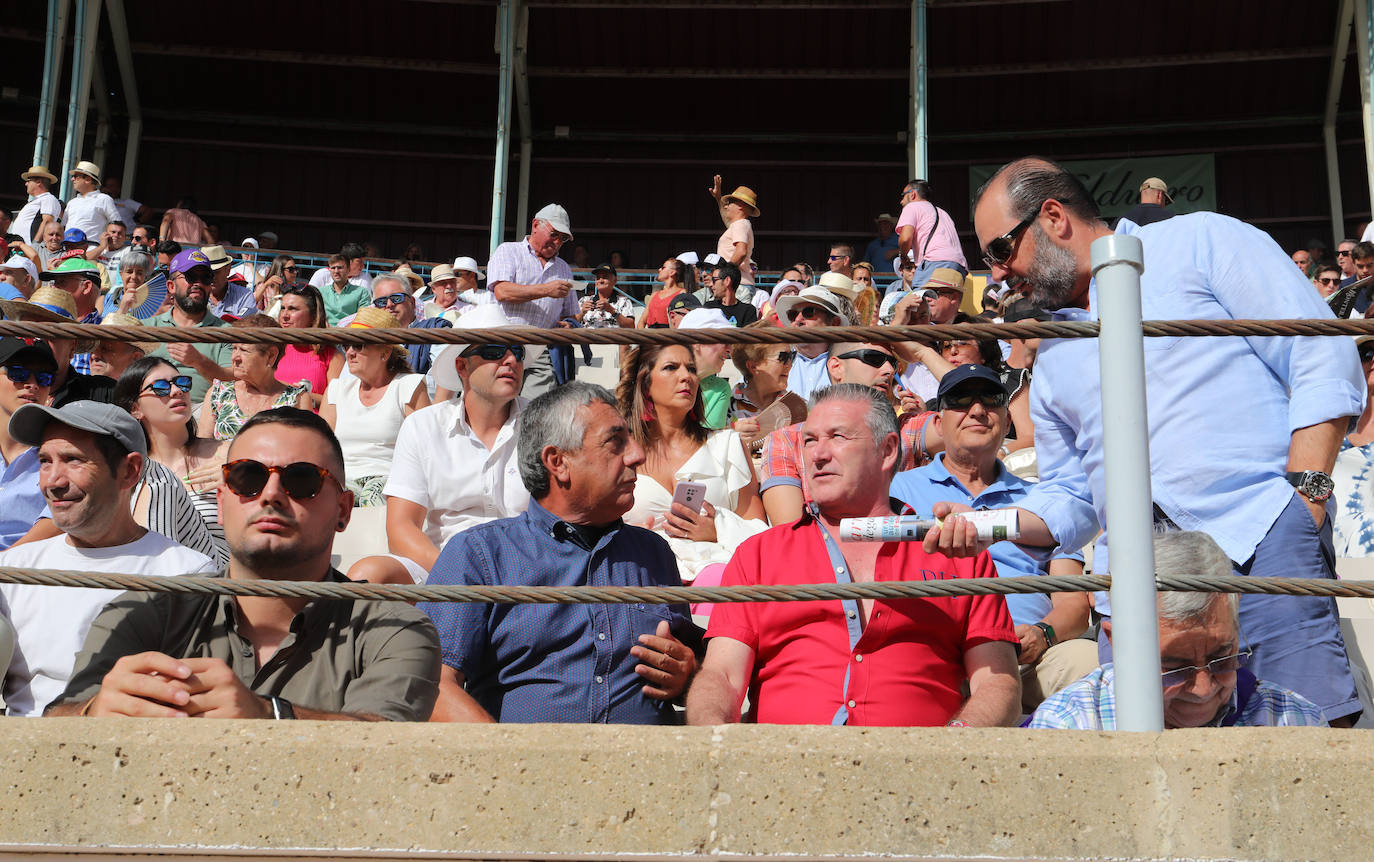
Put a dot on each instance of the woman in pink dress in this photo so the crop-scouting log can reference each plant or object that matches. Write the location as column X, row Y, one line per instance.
column 303, row 307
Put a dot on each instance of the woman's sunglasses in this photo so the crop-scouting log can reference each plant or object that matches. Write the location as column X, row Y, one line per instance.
column 163, row 388
column 20, row 374
column 300, row 480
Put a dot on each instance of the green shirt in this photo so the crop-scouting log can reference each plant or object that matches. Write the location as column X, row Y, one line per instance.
column 374, row 658
column 216, row 353
column 715, row 400
column 338, row 305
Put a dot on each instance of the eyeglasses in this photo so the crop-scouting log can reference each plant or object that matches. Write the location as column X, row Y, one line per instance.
column 20, row 374
column 163, row 388
column 300, row 480
column 958, row 342
column 1329, row 280
column 1344, row 253
column 810, row 312
column 493, row 352
column 1215, row 667
column 965, row 400
column 391, row 299
column 786, row 357
column 871, row 358
column 1000, row 249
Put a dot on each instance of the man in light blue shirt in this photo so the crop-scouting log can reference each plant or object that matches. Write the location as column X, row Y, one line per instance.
column 26, row 377
column 1230, row 419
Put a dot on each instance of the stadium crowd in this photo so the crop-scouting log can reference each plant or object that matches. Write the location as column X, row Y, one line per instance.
column 492, row 464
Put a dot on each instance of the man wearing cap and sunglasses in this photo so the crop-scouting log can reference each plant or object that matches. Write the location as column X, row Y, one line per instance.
column 42, row 207
column 164, row 655
column 190, row 278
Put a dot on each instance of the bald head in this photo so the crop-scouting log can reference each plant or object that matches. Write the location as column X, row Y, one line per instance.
column 1025, row 184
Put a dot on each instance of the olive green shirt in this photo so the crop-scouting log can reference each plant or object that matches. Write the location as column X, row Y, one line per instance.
column 216, row 353
column 359, row 657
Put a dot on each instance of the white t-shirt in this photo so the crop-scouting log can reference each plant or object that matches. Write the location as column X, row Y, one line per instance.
column 322, row 278
column 44, row 204
column 50, row 623
column 91, row 213
column 368, row 434
column 128, row 211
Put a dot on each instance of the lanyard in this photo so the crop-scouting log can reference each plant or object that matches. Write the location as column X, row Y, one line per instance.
column 851, row 608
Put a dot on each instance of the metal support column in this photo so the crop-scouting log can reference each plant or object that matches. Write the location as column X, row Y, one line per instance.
column 522, row 112
column 1340, row 46
column 55, row 45
column 85, row 32
column 918, row 161
column 102, row 113
column 1117, row 262
column 505, row 45
column 119, row 30
column 1364, row 43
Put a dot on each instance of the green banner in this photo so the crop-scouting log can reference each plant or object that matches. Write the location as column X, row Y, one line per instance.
column 1115, row 183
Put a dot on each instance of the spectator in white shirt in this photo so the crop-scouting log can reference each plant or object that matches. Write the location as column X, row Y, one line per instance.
column 90, row 210
column 128, row 207
column 41, row 208
column 356, row 257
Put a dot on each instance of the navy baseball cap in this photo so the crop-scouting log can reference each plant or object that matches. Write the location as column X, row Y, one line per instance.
column 683, row 302
column 962, row 374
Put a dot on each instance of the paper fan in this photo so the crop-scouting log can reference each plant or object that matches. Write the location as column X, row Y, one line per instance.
column 150, row 296
column 787, row 410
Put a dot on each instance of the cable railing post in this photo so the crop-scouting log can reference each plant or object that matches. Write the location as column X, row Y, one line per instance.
column 1117, row 262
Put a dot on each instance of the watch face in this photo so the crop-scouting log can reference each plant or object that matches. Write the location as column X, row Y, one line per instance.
column 1318, row 486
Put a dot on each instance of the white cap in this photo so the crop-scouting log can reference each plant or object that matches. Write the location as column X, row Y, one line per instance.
column 689, row 257
column 485, row 316
column 249, row 242
column 704, row 318
column 556, row 216
column 21, row 262
column 467, row 264
column 712, row 259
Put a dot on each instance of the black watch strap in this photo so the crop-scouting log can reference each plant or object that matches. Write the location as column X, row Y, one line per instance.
column 281, row 708
column 1049, row 632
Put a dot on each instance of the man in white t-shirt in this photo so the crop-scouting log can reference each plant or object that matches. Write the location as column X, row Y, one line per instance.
column 356, row 257
column 736, row 244
column 90, row 457
column 128, row 207
column 41, row 208
column 90, row 210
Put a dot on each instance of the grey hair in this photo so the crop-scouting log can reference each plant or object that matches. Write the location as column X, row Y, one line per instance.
column 1032, row 180
column 554, row 419
column 881, row 419
column 399, row 279
column 1191, row 553
column 136, row 259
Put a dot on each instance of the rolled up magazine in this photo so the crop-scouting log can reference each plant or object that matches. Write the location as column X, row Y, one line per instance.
column 993, row 525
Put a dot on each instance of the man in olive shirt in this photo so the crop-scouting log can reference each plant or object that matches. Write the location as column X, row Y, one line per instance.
column 190, row 277
column 169, row 655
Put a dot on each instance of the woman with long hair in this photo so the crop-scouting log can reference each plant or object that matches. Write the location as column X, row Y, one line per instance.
column 661, row 399
column 302, row 307
column 254, row 388
column 281, row 276
column 676, row 277
column 366, row 409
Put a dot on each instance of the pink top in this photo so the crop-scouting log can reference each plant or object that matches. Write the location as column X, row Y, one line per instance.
column 302, row 363
column 943, row 246
column 186, row 226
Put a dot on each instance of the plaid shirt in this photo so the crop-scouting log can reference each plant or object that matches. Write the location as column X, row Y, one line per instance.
column 517, row 263
column 782, row 453
column 1090, row 704
column 82, row 361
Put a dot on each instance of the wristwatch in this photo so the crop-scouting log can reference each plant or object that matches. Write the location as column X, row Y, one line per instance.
column 1315, row 485
column 1048, row 631
column 281, row 707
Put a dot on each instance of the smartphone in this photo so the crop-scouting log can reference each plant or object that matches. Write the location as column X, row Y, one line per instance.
column 690, row 494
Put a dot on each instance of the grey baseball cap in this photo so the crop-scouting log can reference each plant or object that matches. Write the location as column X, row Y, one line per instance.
column 29, row 422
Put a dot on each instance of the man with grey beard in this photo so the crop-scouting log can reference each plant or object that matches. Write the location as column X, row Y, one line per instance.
column 1261, row 486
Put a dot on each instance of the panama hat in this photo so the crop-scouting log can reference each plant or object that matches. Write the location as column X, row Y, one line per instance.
column 90, row 169
column 838, row 282
column 38, row 172
column 746, row 196
column 814, row 295
column 119, row 318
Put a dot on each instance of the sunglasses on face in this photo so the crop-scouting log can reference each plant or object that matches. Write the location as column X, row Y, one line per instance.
column 391, row 299
column 163, row 388
column 965, row 400
column 493, row 352
column 1366, row 354
column 290, row 268
column 810, row 312
column 1000, row 250
column 950, row 345
column 300, row 480
column 871, row 358
column 20, row 374
column 1329, row 280
column 1215, row 667
column 1345, row 253
column 786, row 357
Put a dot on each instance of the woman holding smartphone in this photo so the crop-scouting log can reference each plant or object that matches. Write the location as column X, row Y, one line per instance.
column 660, row 395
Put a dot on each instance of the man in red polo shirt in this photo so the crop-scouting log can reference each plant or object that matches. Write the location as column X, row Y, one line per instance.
column 869, row 662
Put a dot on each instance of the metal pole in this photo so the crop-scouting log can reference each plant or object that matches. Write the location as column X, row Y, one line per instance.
column 83, row 52
column 506, row 47
column 919, row 159
column 1364, row 36
column 1117, row 262
column 1340, row 47
column 102, row 112
column 55, row 44
column 522, row 111
column 119, row 30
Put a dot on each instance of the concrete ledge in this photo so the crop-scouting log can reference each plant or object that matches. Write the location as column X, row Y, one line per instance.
column 740, row 791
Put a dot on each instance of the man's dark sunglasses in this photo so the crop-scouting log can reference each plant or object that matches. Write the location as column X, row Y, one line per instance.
column 871, row 358
column 965, row 400
column 1000, row 250
column 810, row 312
column 20, row 374
column 199, row 275
column 300, row 480
column 1366, row 353
column 163, row 388
column 390, row 299
column 493, row 352
column 1345, row 253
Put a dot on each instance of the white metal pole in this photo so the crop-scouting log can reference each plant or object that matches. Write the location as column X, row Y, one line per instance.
column 920, row 160
column 506, row 46
column 119, row 30
column 1117, row 262
column 520, row 74
column 1364, row 41
column 75, row 104
column 1339, row 48
column 55, row 44
column 102, row 112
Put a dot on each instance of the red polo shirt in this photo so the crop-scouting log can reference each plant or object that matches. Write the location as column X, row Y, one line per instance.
column 908, row 668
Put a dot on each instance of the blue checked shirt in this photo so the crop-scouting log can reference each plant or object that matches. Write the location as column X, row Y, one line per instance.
column 1090, row 704
column 82, row 361
column 546, row 662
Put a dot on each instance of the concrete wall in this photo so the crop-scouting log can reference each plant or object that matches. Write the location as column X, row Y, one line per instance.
column 737, row 791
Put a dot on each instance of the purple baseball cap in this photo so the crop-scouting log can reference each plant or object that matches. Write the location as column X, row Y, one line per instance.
column 188, row 260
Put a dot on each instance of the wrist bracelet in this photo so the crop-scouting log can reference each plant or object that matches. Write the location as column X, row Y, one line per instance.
column 87, row 708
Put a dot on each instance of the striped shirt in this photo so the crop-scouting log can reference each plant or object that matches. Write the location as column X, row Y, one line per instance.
column 172, row 513
column 517, row 263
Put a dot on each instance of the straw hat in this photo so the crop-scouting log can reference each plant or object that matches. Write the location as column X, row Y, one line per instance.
column 371, row 317
column 417, row 283
column 441, row 272
column 119, row 318
column 39, row 172
column 90, row 169
column 838, row 282
column 745, row 195
column 47, row 305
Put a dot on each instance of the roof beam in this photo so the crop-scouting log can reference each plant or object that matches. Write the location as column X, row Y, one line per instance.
column 306, row 58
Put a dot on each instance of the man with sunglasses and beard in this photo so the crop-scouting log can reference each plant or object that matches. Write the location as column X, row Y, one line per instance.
column 1260, row 486
column 90, row 456
column 190, row 278
column 281, row 500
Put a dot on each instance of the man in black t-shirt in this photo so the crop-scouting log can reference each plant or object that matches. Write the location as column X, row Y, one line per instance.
column 724, row 280
column 1153, row 194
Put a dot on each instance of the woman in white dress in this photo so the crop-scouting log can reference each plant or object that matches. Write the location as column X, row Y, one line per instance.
column 660, row 397
column 366, row 409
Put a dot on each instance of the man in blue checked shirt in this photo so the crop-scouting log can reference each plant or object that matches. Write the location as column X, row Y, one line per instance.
column 1243, row 431
column 1203, row 654
column 612, row 663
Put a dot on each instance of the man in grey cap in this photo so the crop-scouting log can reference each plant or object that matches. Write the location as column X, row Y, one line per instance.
column 534, row 285
column 92, row 455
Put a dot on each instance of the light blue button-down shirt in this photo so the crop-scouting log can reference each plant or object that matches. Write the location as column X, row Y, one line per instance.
column 925, row 486
column 808, row 375
column 1221, row 410
column 21, row 503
